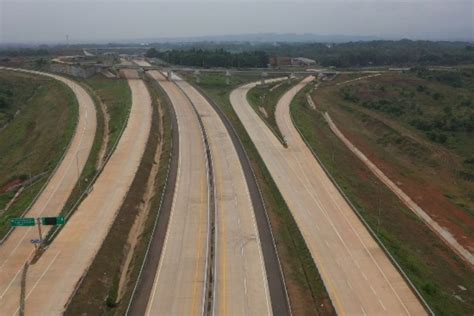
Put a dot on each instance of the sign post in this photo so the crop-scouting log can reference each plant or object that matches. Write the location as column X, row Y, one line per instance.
column 39, row 229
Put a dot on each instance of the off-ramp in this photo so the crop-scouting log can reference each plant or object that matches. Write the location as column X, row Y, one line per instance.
column 17, row 249
column 51, row 281
column 359, row 277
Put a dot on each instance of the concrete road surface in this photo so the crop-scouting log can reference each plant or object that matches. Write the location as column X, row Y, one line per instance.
column 17, row 249
column 358, row 275
column 51, row 281
column 240, row 286
column 179, row 285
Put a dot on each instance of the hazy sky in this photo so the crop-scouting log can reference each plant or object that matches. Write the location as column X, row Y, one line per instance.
column 107, row 20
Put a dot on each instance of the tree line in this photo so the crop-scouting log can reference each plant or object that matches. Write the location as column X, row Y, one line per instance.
column 211, row 58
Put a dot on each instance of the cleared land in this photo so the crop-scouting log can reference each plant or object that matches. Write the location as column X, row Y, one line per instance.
column 404, row 154
column 305, row 287
column 75, row 246
column 358, row 275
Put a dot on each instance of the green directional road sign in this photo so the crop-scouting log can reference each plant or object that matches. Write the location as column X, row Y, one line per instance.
column 51, row 221
column 23, row 221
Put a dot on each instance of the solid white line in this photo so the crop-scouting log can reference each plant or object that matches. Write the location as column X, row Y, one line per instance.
column 383, row 306
column 373, row 291
column 365, row 277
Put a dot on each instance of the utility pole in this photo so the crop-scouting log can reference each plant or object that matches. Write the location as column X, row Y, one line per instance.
column 38, row 222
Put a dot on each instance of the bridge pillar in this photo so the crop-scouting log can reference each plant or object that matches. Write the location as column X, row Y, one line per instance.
column 170, row 75
column 227, row 77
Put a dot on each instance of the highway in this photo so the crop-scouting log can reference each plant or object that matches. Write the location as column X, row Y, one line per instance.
column 240, row 285
column 180, row 282
column 359, row 277
column 51, row 281
column 17, row 249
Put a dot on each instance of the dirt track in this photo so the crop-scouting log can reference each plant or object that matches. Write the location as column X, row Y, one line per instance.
column 17, row 249
column 359, row 277
column 51, row 281
column 443, row 233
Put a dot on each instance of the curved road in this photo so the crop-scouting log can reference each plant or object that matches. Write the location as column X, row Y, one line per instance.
column 179, row 283
column 52, row 280
column 240, row 285
column 17, row 249
column 359, row 277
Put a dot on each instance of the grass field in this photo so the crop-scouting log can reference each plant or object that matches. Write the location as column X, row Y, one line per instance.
column 307, row 293
column 33, row 141
column 420, row 132
column 264, row 98
column 116, row 96
column 444, row 280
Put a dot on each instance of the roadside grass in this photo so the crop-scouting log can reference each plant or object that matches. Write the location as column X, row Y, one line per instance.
column 103, row 276
column 264, row 101
column 116, row 96
column 306, row 290
column 34, row 141
column 420, row 132
column 434, row 269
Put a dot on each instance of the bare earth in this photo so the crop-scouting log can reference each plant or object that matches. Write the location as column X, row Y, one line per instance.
column 443, row 233
column 52, row 280
column 359, row 277
column 17, row 249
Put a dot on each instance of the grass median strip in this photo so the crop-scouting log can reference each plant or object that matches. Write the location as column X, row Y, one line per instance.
column 103, row 277
column 263, row 100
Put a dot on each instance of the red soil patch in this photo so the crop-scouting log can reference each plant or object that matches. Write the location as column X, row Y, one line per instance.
column 9, row 186
column 428, row 196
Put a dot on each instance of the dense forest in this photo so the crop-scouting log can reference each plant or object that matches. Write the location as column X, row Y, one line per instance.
column 352, row 54
column 211, row 58
column 380, row 53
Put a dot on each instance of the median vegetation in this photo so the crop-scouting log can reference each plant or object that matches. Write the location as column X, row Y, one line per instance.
column 264, row 99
